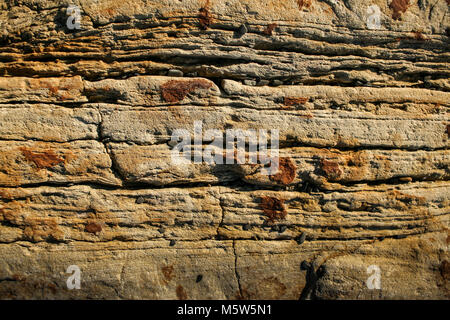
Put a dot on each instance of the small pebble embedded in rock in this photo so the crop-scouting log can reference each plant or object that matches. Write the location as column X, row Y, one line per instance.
column 248, row 82
column 242, row 30
column 93, row 227
column 140, row 200
column 302, row 238
column 175, row 73
column 277, row 83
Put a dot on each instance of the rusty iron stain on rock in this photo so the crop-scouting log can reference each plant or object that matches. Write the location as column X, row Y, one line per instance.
column 291, row 101
column 331, row 169
column 303, row 3
column 177, row 90
column 205, row 18
column 273, row 208
column 93, row 227
column 181, row 293
column 42, row 160
column 286, row 172
column 168, row 272
column 269, row 29
column 399, row 7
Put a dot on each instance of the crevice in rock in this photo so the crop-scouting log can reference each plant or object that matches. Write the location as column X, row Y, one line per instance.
column 238, row 278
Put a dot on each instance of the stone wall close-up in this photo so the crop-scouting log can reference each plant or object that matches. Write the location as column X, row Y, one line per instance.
column 94, row 92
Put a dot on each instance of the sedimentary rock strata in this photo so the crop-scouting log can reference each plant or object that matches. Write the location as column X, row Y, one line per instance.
column 87, row 177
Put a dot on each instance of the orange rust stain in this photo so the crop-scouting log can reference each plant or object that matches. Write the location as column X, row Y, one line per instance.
column 357, row 164
column 181, row 293
column 53, row 90
column 205, row 18
column 291, row 101
column 93, row 227
column 398, row 7
column 286, row 172
column 177, row 90
column 269, row 29
column 39, row 229
column 273, row 208
column 303, row 4
column 168, row 272
column 331, row 169
column 43, row 159
column 46, row 84
column 110, row 11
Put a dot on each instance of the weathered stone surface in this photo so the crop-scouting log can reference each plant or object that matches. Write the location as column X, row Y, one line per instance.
column 62, row 213
column 329, row 259
column 87, row 178
column 325, row 128
column 121, row 270
column 48, row 123
column 22, row 89
column 379, row 101
column 153, row 91
column 153, row 165
column 23, row 163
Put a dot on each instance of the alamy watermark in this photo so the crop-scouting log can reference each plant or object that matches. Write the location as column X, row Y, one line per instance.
column 74, row 19
column 239, row 147
column 374, row 281
column 74, row 281
column 373, row 21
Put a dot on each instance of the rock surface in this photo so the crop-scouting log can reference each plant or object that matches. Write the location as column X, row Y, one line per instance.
column 87, row 118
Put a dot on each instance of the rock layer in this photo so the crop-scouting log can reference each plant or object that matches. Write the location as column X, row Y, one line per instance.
column 87, row 178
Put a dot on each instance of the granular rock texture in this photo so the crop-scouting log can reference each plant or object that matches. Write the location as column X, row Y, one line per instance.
column 87, row 177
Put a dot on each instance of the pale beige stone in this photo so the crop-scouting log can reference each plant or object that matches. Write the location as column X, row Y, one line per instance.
column 86, row 177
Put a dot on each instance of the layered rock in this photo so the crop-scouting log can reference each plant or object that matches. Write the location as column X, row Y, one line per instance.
column 87, row 176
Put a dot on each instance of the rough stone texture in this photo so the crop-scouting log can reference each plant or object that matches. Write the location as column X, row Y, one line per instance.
column 86, row 177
